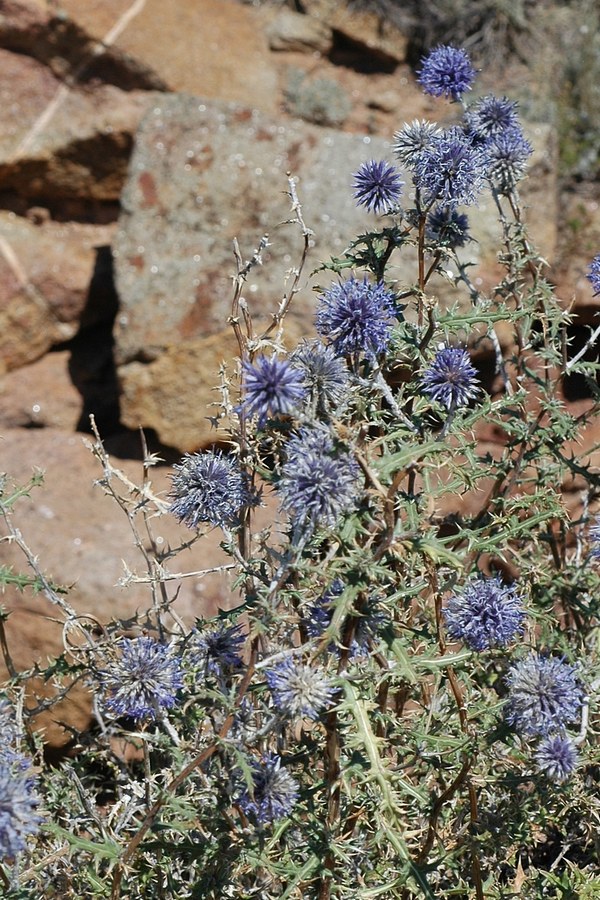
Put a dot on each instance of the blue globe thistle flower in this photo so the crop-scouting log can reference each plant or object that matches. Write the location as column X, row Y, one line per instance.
column 544, row 695
column 507, row 154
column 446, row 72
column 299, row 690
column 218, row 649
column 452, row 170
column 319, row 614
column 557, row 757
column 491, row 115
column 447, row 227
column 356, row 316
column 412, row 140
column 274, row 791
column 486, row 613
column 319, row 481
column 144, row 680
column 377, row 186
column 451, row 379
column 208, row 487
column 19, row 802
column 272, row 387
column 593, row 274
column 325, row 374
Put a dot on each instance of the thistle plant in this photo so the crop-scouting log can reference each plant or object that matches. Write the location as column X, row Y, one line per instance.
column 400, row 700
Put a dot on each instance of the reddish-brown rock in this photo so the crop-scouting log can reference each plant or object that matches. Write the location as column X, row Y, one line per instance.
column 45, row 276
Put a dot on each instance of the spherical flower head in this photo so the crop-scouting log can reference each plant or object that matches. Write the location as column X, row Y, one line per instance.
column 557, row 757
column 544, row 695
column 377, row 186
column 274, row 791
column 356, row 317
column 491, row 115
column 272, row 387
column 144, row 681
column 486, row 613
column 208, row 487
column 299, row 690
column 326, row 375
column 507, row 156
column 452, row 170
column 451, row 379
column 593, row 274
column 446, row 72
column 319, row 481
column 18, row 805
column 447, row 227
column 217, row 649
column 412, row 140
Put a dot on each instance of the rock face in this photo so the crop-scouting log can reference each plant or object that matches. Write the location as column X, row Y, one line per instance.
column 46, row 271
column 362, row 30
column 205, row 173
column 63, row 143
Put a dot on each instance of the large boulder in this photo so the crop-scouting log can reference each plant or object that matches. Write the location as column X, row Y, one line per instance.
column 203, row 174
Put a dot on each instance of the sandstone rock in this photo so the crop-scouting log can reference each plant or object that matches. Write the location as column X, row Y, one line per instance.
column 62, row 143
column 40, row 395
column 211, row 49
column 45, row 277
column 192, row 164
column 295, row 32
column 203, row 174
column 371, row 34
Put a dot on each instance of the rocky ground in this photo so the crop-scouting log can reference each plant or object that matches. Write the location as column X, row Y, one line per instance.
column 140, row 138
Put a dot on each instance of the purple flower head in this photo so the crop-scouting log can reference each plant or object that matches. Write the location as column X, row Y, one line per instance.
column 208, row 487
column 507, row 154
column 451, row 379
column 299, row 690
column 356, row 316
column 491, row 115
column 452, row 169
column 325, row 374
column 319, row 481
column 486, row 613
column 18, row 805
column 446, row 72
column 557, row 757
column 144, row 680
column 377, row 186
column 544, row 695
column 218, row 649
column 447, row 227
column 320, row 613
column 272, row 387
column 274, row 791
column 593, row 274
column 412, row 140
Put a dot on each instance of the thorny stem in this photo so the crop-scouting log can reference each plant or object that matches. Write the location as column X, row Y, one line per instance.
column 422, row 280
column 468, row 759
column 176, row 782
